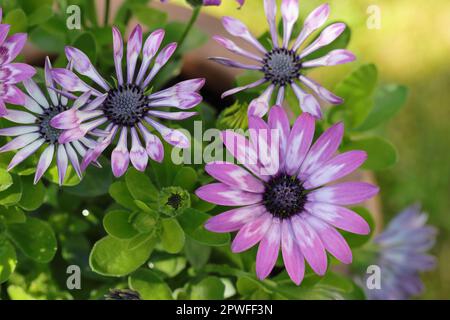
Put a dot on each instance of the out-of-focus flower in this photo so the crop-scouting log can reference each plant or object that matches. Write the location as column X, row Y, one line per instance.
column 122, row 294
column 35, row 130
column 283, row 65
column 126, row 109
column 209, row 2
column 281, row 197
column 402, row 255
column 11, row 73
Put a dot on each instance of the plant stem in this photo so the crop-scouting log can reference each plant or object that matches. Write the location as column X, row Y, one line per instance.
column 107, row 9
column 191, row 23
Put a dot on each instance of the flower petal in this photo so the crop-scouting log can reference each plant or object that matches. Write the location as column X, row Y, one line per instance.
column 258, row 107
column 153, row 145
column 310, row 244
column 268, row 250
column 332, row 240
column 278, row 120
column 120, row 157
column 239, row 89
column 233, row 47
column 151, row 47
column 314, row 21
column 162, row 58
column 20, row 141
column 333, row 58
column 299, row 141
column 25, row 153
column 289, row 11
column 83, row 65
column 21, row 117
column 224, row 195
column 235, row 219
column 138, row 155
column 323, row 93
column 70, row 81
column 322, row 150
column 251, row 233
column 339, row 217
column 118, row 53
column 238, row 29
column 62, row 163
column 134, row 47
column 345, row 193
column 174, row 137
column 73, row 157
column 327, row 36
column 16, row 72
column 11, row 47
column 292, row 256
column 307, row 102
column 235, row 64
column 234, row 176
column 270, row 8
column 336, row 168
column 44, row 162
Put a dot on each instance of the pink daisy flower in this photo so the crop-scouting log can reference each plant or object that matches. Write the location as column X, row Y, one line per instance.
column 126, row 109
column 293, row 207
column 284, row 64
column 11, row 73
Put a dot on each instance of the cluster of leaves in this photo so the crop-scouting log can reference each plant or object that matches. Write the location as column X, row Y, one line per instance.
column 145, row 231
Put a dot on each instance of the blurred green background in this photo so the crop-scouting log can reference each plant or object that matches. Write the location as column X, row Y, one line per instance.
column 412, row 47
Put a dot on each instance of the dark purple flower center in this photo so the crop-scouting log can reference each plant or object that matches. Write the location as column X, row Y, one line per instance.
column 125, row 105
column 174, row 201
column 284, row 196
column 47, row 132
column 282, row 66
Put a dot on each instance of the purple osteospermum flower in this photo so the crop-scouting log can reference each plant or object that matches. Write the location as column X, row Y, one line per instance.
column 288, row 207
column 11, row 73
column 283, row 65
column 211, row 2
column 126, row 109
column 402, row 255
column 35, row 130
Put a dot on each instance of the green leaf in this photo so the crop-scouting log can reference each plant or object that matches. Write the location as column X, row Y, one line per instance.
column 35, row 238
column 119, row 192
column 357, row 91
column 11, row 215
column 196, row 253
column 13, row 194
column 192, row 222
column 8, row 260
column 114, row 257
column 389, row 99
column 48, row 41
column 33, row 194
column 5, row 179
column 140, row 186
column 145, row 222
column 18, row 21
column 186, row 178
column 95, row 183
column 149, row 285
column 150, row 17
column 172, row 238
column 381, row 153
column 40, row 15
column 356, row 240
column 340, row 43
column 210, row 288
column 118, row 224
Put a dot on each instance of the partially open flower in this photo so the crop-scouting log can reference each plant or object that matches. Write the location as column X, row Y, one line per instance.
column 11, row 73
column 283, row 65
column 173, row 201
column 402, row 254
column 126, row 110
column 122, row 294
column 291, row 205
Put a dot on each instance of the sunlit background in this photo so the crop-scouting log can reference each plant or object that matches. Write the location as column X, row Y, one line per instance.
column 412, row 47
